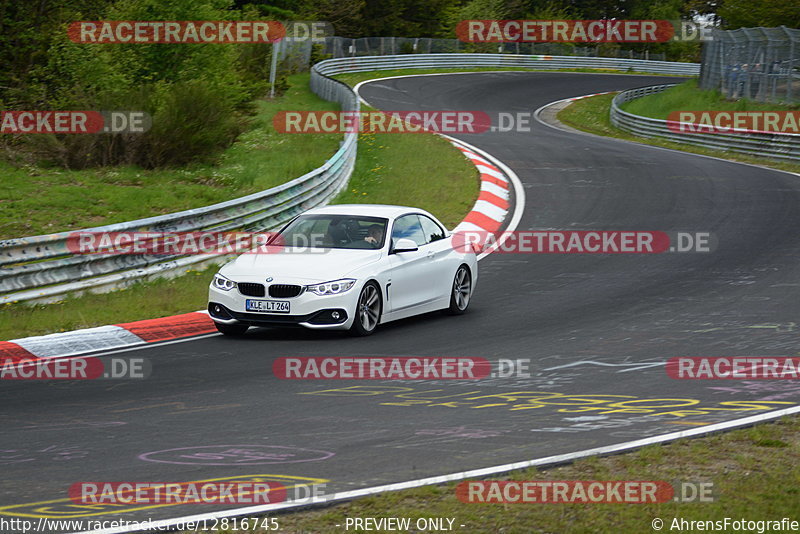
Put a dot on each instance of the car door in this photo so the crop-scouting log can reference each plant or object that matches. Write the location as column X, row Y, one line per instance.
column 411, row 281
column 440, row 255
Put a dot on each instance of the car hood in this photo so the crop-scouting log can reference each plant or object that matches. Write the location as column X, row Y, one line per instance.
column 299, row 267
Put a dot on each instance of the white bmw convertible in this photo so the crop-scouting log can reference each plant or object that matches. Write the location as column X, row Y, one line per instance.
column 346, row 267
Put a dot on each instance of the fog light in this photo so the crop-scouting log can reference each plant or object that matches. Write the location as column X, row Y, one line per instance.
column 335, row 315
column 218, row 310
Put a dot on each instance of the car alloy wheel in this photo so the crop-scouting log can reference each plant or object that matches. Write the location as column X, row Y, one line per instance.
column 462, row 291
column 368, row 310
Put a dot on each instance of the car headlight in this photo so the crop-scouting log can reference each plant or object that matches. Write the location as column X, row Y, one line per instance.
column 332, row 288
column 220, row 282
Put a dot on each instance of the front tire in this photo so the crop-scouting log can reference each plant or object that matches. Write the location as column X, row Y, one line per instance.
column 231, row 329
column 461, row 291
column 368, row 310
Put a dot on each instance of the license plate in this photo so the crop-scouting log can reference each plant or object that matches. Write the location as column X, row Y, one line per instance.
column 269, row 306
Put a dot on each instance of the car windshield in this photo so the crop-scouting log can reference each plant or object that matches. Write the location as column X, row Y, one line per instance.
column 334, row 231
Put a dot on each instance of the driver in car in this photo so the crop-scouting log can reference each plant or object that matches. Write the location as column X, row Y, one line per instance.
column 374, row 235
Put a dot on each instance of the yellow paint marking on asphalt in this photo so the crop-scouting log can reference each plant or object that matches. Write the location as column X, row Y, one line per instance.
column 67, row 508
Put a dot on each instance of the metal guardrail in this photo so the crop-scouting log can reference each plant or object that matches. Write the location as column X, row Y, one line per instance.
column 774, row 145
column 443, row 61
column 42, row 267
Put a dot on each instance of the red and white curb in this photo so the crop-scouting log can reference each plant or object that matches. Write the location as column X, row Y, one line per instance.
column 494, row 208
column 107, row 337
column 491, row 208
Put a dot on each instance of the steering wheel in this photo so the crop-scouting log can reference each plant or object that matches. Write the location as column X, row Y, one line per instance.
column 351, row 228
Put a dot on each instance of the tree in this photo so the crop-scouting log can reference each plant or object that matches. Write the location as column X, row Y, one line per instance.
column 750, row 13
column 405, row 18
column 346, row 16
column 27, row 30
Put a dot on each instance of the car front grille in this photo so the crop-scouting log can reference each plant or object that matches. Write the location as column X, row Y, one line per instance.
column 250, row 289
column 283, row 291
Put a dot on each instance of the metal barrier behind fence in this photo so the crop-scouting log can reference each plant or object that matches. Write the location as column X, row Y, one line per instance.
column 388, row 46
column 775, row 145
column 43, row 268
column 758, row 63
column 298, row 52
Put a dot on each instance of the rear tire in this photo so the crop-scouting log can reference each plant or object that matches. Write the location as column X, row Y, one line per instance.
column 460, row 291
column 231, row 329
column 368, row 310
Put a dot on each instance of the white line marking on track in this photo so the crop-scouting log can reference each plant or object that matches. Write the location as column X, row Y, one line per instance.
column 537, row 117
column 473, row 473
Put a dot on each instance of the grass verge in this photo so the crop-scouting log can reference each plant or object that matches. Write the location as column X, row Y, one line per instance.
column 687, row 97
column 261, row 158
column 754, row 472
column 142, row 300
column 421, row 170
column 592, row 115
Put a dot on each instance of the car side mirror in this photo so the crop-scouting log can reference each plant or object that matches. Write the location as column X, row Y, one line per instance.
column 404, row 245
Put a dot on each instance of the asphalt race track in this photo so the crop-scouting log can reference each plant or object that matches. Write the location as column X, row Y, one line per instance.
column 599, row 325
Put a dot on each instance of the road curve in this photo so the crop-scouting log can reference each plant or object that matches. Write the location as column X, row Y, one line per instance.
column 590, row 324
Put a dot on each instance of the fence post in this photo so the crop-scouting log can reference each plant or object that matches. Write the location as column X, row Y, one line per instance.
column 273, row 67
column 789, row 77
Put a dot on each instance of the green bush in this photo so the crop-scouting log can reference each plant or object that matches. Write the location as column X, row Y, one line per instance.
column 406, row 48
column 192, row 121
column 318, row 54
column 197, row 95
